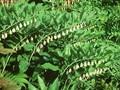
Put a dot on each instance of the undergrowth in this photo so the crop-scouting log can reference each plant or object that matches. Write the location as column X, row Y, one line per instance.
column 56, row 45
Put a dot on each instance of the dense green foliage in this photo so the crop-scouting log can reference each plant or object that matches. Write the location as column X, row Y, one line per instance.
column 52, row 46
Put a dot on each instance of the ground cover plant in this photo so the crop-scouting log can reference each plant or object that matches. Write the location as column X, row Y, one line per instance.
column 60, row 45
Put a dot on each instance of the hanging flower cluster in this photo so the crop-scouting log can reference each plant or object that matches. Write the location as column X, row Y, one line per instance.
column 96, row 72
column 6, row 2
column 84, row 64
column 29, row 39
column 15, row 28
column 53, row 37
column 69, row 2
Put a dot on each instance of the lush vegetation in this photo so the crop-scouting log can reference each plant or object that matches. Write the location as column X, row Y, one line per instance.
column 56, row 45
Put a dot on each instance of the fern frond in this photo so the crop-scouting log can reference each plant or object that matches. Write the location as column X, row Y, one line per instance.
column 12, row 82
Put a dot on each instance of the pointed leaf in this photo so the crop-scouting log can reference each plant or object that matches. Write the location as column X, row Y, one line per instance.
column 55, row 85
column 41, row 83
column 50, row 67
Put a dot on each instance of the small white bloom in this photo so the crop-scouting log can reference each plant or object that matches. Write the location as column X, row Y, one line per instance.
column 38, row 50
column 74, row 67
column 28, row 22
column 67, row 31
column 13, row 30
column 84, row 76
column 81, row 65
column 70, row 70
column 35, row 20
column 23, row 44
column 95, row 62
column 85, row 64
column 31, row 39
column 48, row 39
column 88, row 63
column 78, row 26
column 87, row 75
column 44, row 42
column 20, row 25
column 5, row 35
column 17, row 28
column 27, row 41
column 71, row 30
column 92, row 63
column 77, row 66
column 41, row 46
column 55, row 37
column 59, row 36
column 50, row 0
column 10, row 32
column 81, row 25
column 80, row 78
column 24, row 24
column 35, row 36
column 74, row 45
column 63, row 33
column 51, row 39
column 74, row 28
column 97, row 72
column 99, row 62
column 100, row 71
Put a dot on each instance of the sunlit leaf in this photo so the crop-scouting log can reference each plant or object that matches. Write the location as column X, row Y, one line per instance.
column 50, row 67
column 6, row 51
column 42, row 85
column 55, row 85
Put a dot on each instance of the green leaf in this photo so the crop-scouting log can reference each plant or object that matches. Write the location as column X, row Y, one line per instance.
column 108, row 63
column 23, row 63
column 31, row 87
column 29, row 47
column 50, row 67
column 55, row 85
column 67, row 50
column 41, row 83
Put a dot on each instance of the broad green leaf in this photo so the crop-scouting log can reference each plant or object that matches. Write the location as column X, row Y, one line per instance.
column 108, row 64
column 23, row 63
column 67, row 50
column 31, row 87
column 28, row 47
column 50, row 67
column 41, row 83
column 74, row 86
column 55, row 85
